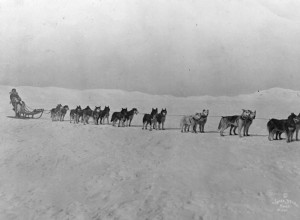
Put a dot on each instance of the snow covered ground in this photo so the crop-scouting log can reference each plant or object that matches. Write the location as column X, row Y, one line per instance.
column 58, row 170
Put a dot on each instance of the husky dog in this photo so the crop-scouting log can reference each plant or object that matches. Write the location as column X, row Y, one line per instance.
column 149, row 119
column 161, row 118
column 202, row 121
column 79, row 115
column 238, row 121
column 287, row 126
column 73, row 113
column 119, row 116
column 249, row 122
column 63, row 112
column 55, row 113
column 86, row 114
column 104, row 115
column 129, row 116
column 189, row 121
column 96, row 114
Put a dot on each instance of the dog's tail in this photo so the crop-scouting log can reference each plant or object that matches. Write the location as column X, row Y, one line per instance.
column 270, row 127
column 221, row 123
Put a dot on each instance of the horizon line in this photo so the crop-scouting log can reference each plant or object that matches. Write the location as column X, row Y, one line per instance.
column 123, row 90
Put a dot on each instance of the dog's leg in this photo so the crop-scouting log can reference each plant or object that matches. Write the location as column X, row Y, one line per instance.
column 248, row 129
column 222, row 130
column 287, row 134
column 231, row 127
column 291, row 131
column 146, row 125
column 271, row 135
column 194, row 128
column 240, row 128
column 234, row 130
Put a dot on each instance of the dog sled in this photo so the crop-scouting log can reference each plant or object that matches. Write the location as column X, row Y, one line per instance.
column 23, row 111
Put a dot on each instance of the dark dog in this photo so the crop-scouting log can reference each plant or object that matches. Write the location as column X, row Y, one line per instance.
column 79, row 115
column 63, row 112
column 129, row 116
column 202, row 121
column 287, row 126
column 73, row 113
column 149, row 119
column 55, row 113
column 96, row 114
column 161, row 118
column 86, row 114
column 119, row 116
column 104, row 115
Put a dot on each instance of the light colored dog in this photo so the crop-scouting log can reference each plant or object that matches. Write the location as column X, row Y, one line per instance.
column 189, row 121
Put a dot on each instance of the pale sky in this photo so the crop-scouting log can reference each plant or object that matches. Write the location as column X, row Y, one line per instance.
column 182, row 48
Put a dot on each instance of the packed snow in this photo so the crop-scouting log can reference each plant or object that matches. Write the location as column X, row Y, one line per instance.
column 61, row 170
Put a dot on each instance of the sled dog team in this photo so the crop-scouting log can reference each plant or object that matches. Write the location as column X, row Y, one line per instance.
column 156, row 120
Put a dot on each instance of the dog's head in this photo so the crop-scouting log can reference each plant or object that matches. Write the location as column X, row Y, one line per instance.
column 252, row 115
column 135, row 111
column 197, row 116
column 97, row 108
column 164, row 112
column 124, row 111
column 88, row 108
column 204, row 113
column 154, row 111
column 106, row 109
column 296, row 119
column 245, row 114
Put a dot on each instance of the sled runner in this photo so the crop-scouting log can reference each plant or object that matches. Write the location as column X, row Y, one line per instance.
column 23, row 111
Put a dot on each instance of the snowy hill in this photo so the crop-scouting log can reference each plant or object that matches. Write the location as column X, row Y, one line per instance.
column 58, row 170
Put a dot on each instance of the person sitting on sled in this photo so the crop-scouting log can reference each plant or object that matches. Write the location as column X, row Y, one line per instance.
column 14, row 97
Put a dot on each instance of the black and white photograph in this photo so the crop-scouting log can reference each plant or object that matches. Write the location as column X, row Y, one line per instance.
column 149, row 109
